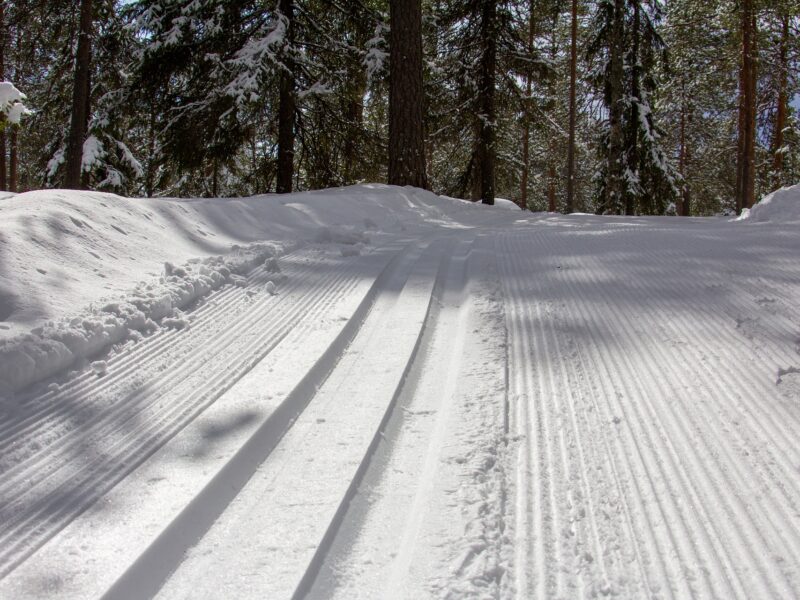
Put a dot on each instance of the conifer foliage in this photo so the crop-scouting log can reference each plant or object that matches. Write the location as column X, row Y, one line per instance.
column 635, row 175
column 613, row 106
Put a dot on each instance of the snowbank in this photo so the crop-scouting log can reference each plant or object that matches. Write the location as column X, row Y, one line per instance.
column 80, row 271
column 781, row 206
column 48, row 349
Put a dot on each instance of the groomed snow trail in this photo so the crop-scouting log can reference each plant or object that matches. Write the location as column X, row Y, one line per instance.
column 657, row 451
column 497, row 405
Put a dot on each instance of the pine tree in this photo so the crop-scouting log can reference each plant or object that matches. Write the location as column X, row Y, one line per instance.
column 636, row 174
column 406, row 97
column 79, row 120
column 745, row 158
column 573, row 64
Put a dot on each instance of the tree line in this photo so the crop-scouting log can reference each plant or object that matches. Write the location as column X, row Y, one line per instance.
column 610, row 106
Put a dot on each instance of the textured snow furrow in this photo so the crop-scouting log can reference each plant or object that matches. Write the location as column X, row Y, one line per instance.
column 209, row 319
column 613, row 459
column 79, row 394
column 693, row 543
column 568, row 533
column 327, row 447
column 737, row 477
column 780, row 421
column 745, row 394
column 533, row 477
column 116, row 413
column 651, row 372
column 668, row 363
column 167, row 411
column 189, row 481
column 596, row 550
column 156, row 416
column 601, row 559
column 66, row 496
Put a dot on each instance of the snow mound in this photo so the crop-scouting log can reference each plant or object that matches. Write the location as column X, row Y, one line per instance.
column 781, row 206
column 48, row 349
column 81, row 271
column 506, row 204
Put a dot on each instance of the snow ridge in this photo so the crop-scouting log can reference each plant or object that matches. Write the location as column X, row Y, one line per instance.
column 48, row 349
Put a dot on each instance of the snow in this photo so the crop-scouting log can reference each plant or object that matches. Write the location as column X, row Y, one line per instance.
column 374, row 392
column 11, row 102
column 781, row 206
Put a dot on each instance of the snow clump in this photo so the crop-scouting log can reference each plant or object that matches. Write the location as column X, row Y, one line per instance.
column 46, row 350
column 781, row 206
column 11, row 103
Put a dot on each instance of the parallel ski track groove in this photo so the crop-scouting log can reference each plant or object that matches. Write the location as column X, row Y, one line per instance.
column 583, row 432
column 721, row 445
column 223, row 302
column 721, row 442
column 180, row 414
column 515, row 273
column 130, row 406
column 444, row 264
column 684, row 543
column 334, row 284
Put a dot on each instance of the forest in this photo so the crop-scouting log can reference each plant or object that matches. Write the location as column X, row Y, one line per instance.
column 611, row 106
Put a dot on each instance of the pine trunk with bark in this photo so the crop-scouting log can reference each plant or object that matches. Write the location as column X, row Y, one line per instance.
column 488, row 64
column 80, row 100
column 615, row 184
column 745, row 164
column 354, row 112
column 573, row 70
column 782, row 101
column 526, row 128
column 633, row 120
column 406, row 95
column 13, row 152
column 3, row 182
column 286, row 107
column 684, row 156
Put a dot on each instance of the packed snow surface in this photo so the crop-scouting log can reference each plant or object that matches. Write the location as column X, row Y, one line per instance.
column 376, row 392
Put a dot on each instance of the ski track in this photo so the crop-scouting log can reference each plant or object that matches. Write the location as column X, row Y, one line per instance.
column 309, row 454
column 429, row 519
column 688, row 447
column 548, row 410
column 110, row 442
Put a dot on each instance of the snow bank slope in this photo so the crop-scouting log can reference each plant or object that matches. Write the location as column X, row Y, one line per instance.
column 781, row 206
column 81, row 270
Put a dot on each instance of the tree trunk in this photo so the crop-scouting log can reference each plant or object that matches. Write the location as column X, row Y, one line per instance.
column 406, row 95
column 633, row 122
column 615, row 185
column 683, row 158
column 486, row 148
column 80, row 100
column 354, row 100
column 526, row 127
column 573, row 61
column 286, row 107
column 780, row 114
column 745, row 164
column 752, row 105
column 3, row 182
column 13, row 166
column 552, row 205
